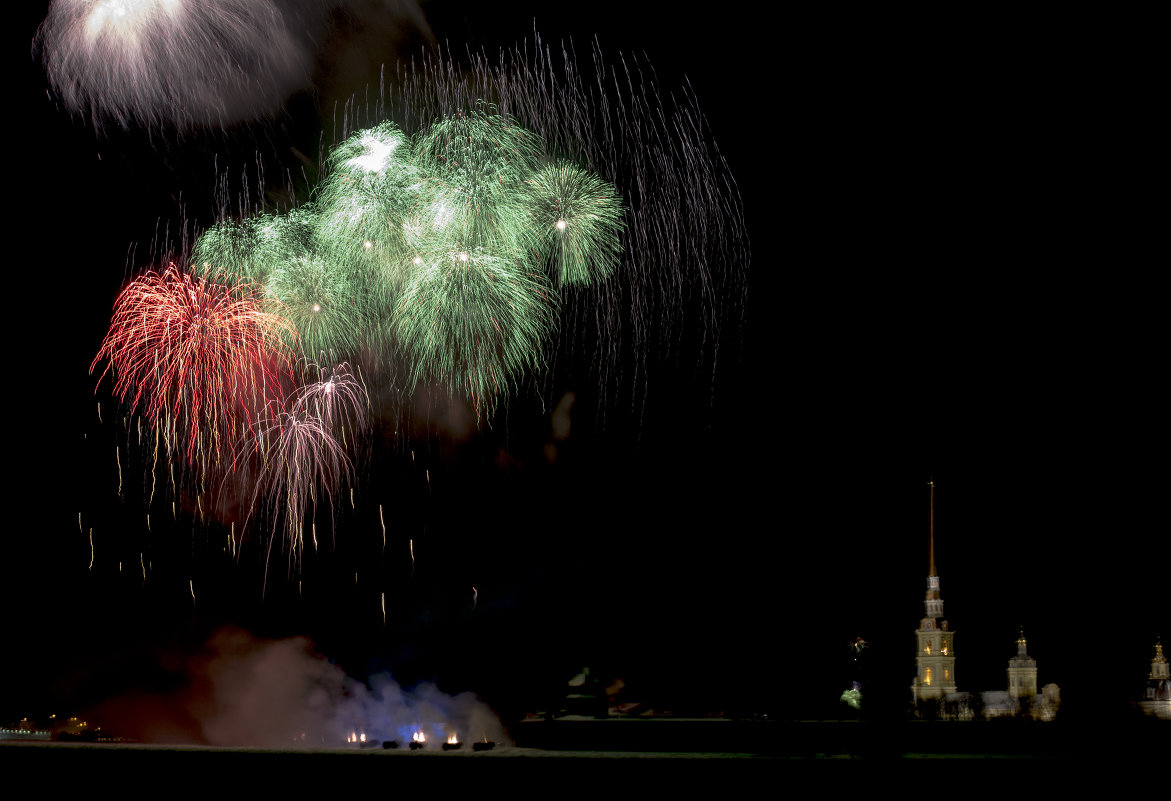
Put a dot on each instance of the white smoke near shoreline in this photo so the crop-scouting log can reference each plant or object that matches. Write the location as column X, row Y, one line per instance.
column 242, row 691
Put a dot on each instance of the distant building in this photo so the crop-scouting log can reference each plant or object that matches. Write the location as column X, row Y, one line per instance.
column 935, row 656
column 1022, row 686
column 934, row 692
column 1022, row 673
column 1157, row 698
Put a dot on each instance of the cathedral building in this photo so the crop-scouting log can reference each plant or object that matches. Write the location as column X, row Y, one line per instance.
column 935, row 658
column 933, row 691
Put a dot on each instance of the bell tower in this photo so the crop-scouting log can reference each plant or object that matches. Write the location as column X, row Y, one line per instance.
column 1022, row 671
column 935, row 656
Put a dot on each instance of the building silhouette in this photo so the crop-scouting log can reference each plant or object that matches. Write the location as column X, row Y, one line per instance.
column 1157, row 698
column 1022, row 672
column 935, row 658
column 934, row 692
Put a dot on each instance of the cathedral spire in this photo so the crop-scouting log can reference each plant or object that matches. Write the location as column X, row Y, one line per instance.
column 931, row 567
column 933, row 604
column 935, row 658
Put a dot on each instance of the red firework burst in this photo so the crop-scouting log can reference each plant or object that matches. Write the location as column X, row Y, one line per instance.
column 201, row 355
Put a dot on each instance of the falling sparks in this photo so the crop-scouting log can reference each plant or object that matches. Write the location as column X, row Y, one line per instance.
column 195, row 352
column 469, row 247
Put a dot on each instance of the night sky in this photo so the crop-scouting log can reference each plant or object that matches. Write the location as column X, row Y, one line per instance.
column 928, row 298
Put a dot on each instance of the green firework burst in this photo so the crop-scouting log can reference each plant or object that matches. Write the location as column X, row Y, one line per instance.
column 330, row 310
column 439, row 247
column 373, row 186
column 481, row 161
column 578, row 219
column 254, row 248
column 474, row 321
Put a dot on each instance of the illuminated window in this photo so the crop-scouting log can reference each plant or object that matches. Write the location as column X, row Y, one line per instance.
column 946, row 674
column 927, row 648
column 926, row 675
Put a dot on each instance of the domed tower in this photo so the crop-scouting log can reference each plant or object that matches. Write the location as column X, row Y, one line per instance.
column 935, row 657
column 1022, row 672
column 1157, row 700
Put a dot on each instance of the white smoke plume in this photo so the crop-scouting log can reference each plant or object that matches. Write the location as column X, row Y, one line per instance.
column 182, row 64
column 242, row 691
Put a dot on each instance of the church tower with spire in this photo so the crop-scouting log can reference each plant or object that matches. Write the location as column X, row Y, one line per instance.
column 1157, row 700
column 1022, row 672
column 935, row 657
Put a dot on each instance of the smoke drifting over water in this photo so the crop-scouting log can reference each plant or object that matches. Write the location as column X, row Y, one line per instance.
column 246, row 692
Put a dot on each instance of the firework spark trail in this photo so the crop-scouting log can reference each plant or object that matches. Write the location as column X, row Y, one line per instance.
column 372, row 185
column 326, row 306
column 338, row 399
column 484, row 159
column 582, row 222
column 521, row 206
column 475, row 322
column 199, row 355
column 434, row 247
column 173, row 63
column 684, row 256
column 254, row 248
column 298, row 457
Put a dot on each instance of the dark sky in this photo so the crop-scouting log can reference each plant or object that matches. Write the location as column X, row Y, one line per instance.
column 928, row 297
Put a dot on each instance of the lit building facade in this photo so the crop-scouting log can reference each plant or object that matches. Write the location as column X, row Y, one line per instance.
column 1022, row 673
column 1157, row 698
column 935, row 655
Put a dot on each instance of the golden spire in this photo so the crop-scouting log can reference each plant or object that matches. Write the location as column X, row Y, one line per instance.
column 931, row 570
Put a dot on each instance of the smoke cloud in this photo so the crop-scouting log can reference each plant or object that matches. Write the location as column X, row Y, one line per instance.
column 241, row 691
column 180, row 64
